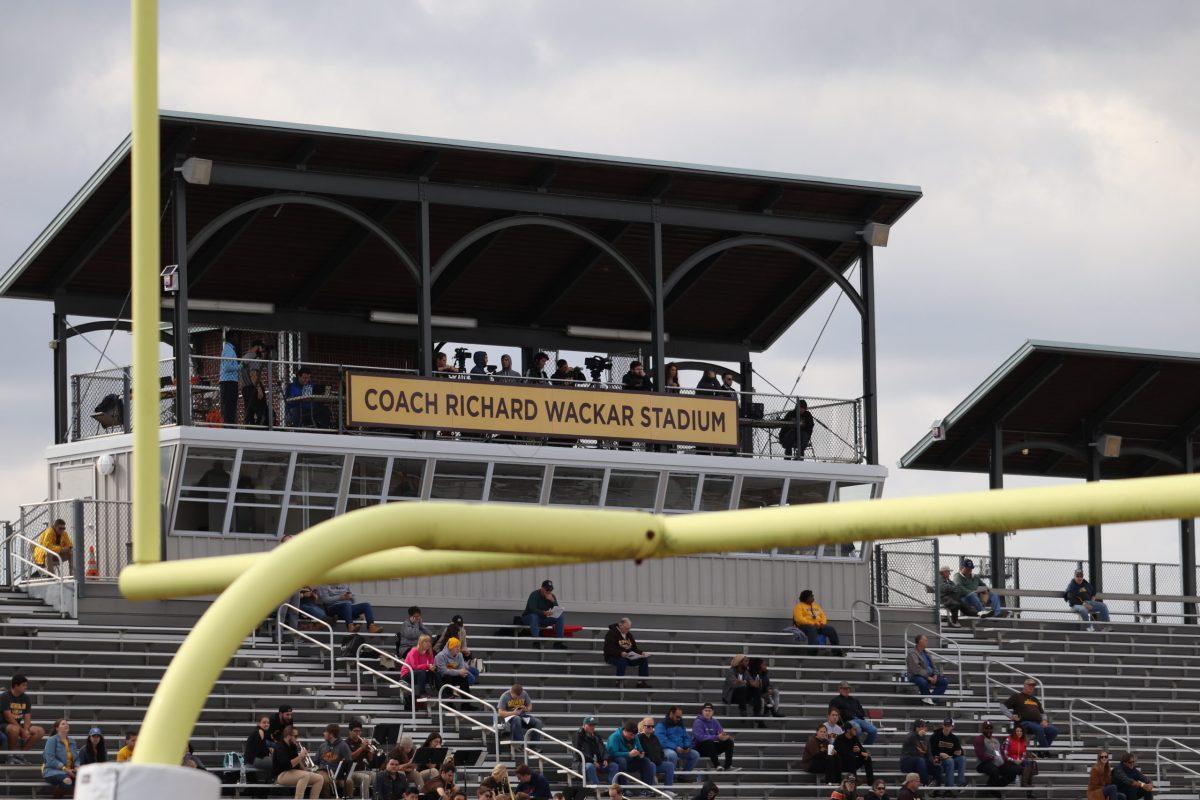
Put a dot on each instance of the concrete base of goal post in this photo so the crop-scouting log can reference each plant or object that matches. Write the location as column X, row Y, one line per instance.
column 128, row 781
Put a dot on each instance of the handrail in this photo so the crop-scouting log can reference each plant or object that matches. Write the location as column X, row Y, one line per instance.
column 942, row 638
column 359, row 667
column 280, row 626
column 988, row 680
column 643, row 784
column 443, row 705
column 543, row 757
column 1158, row 757
column 1072, row 716
column 878, row 626
column 61, row 580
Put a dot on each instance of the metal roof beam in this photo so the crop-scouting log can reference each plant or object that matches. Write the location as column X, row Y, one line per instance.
column 463, row 262
column 304, row 153
column 345, row 249
column 217, row 247
column 687, row 281
column 572, row 274
column 543, row 176
column 767, row 201
column 1120, row 398
column 423, row 165
column 1174, row 443
column 658, row 187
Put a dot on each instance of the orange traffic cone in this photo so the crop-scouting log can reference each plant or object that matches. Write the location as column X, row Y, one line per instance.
column 92, row 570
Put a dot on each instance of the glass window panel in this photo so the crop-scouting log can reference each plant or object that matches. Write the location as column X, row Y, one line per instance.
column 207, row 472
column 801, row 492
column 366, row 476
column 301, row 519
column 200, row 515
column 166, row 457
column 354, row 503
column 629, row 489
column 265, row 470
column 406, row 477
column 317, row 472
column 681, row 492
column 458, row 480
column 576, row 486
column 516, row 483
column 716, row 493
column 760, row 492
column 255, row 519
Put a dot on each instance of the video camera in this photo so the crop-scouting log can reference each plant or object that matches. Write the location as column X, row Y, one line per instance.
column 461, row 354
column 596, row 365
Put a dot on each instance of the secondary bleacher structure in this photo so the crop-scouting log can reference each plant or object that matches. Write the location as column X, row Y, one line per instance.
column 1133, row 685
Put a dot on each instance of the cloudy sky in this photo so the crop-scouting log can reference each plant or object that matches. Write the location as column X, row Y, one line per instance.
column 1058, row 144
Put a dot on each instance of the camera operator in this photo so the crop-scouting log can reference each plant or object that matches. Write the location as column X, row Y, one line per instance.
column 507, row 374
column 636, row 380
column 441, row 365
column 480, row 372
column 566, row 372
column 537, row 373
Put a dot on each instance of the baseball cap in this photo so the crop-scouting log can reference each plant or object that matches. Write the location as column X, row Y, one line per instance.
column 590, row 720
column 548, row 585
column 845, row 685
column 969, row 564
column 912, row 776
column 920, row 724
column 1079, row 573
column 949, row 720
column 706, row 705
column 95, row 732
column 457, row 618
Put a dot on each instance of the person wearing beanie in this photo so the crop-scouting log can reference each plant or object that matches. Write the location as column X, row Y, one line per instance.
column 451, row 667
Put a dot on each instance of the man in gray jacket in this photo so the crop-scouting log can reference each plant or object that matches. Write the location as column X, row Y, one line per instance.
column 339, row 603
column 333, row 754
column 411, row 630
column 922, row 672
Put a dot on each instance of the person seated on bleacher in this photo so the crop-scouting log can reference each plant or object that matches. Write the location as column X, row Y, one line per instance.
column 452, row 668
column 333, row 755
column 17, row 711
column 621, row 651
column 455, row 630
column 850, row 754
column 514, row 709
column 741, row 689
column 58, row 762
column 390, row 782
column 410, row 631
column 833, row 723
column 54, row 539
column 757, row 668
column 914, row 752
column 951, row 597
column 911, row 788
column 301, row 410
column 1016, row 749
column 308, row 602
column 852, row 713
column 364, row 757
column 279, row 720
column 970, row 584
column 256, row 753
column 441, row 786
column 497, row 781
column 947, row 752
column 93, row 750
column 811, row 622
column 677, row 743
column 817, row 758
column 532, row 783
column 339, row 602
column 1026, row 710
column 847, row 789
column 1100, row 779
column 403, row 752
column 1082, row 599
column 992, row 760
column 289, row 766
column 622, row 746
column 595, row 756
column 921, row 671
column 419, row 662
column 711, row 739
column 656, row 754
column 540, row 610
column 878, row 791
column 126, row 751
column 1130, row 781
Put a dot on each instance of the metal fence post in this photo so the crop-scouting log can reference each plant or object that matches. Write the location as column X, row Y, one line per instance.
column 937, row 584
column 1016, row 581
column 1137, row 589
column 341, row 424
column 1154, row 591
column 7, row 556
column 270, row 395
column 76, row 430
column 881, row 596
column 79, row 554
column 125, row 421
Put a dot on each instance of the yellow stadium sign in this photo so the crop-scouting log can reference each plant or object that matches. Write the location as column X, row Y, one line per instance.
column 377, row 400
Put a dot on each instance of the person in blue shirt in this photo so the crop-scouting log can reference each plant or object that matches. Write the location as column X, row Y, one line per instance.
column 622, row 747
column 1083, row 601
column 230, row 378
column 303, row 412
column 677, row 740
column 532, row 783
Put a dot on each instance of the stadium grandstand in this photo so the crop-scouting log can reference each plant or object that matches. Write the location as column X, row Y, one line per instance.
column 337, row 299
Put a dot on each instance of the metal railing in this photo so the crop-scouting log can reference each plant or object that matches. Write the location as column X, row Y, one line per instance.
column 540, row 756
column 281, row 626
column 1159, row 758
column 645, row 786
column 34, row 573
column 1072, row 718
column 446, row 706
column 360, row 668
column 909, row 644
column 877, row 624
column 988, row 680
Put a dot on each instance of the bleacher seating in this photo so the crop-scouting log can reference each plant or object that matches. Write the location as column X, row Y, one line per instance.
column 106, row 674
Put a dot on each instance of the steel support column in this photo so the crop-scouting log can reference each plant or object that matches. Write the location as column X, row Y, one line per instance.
column 658, row 334
column 746, row 399
column 425, row 304
column 996, row 481
column 1094, row 545
column 59, row 326
column 1187, row 541
column 870, row 400
column 179, row 320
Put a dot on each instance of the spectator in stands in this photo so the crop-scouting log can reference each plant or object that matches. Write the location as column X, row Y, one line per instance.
column 280, row 720
column 798, row 434
column 404, row 752
column 622, row 747
column 595, row 755
column 1082, row 599
column 452, row 667
column 390, row 781
column 878, row 791
column 442, row 364
column 671, row 382
column 1100, row 779
column 455, row 630
column 757, row 667
column 914, row 752
column 564, row 372
column 1016, row 749
column 1130, row 781
column 254, row 398
column 532, row 783
column 727, row 383
column 993, row 762
column 58, row 762
column 921, row 671
column 333, row 755
column 479, row 372
column 853, row 714
column 515, row 709
column 17, row 710
column 256, row 753
column 54, row 539
column 537, row 373
column 740, row 689
column 363, row 757
column 419, row 662
column 850, row 753
column 621, row 650
column 507, row 374
column 636, row 379
column 126, row 752
column 911, row 789
column 310, row 604
column 947, row 752
column 951, row 596
column 709, row 386
column 833, row 723
column 1026, row 710
column 410, row 631
column 542, row 608
column 711, row 739
column 441, row 786
column 847, row 789
column 190, row 759
column 970, row 584
column 810, row 620
column 676, row 741
column 817, row 759
column 709, row 791
column 93, row 749
column 339, row 602
column 229, row 377
column 655, row 753
column 302, row 410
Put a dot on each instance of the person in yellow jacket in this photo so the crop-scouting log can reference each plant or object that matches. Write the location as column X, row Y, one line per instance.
column 56, row 540
column 811, row 622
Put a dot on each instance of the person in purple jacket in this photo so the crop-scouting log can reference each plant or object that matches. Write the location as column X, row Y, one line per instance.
column 711, row 739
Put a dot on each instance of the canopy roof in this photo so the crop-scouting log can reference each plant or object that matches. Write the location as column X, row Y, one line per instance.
column 303, row 257
column 1053, row 398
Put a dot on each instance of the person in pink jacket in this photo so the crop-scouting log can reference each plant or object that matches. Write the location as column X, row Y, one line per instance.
column 419, row 662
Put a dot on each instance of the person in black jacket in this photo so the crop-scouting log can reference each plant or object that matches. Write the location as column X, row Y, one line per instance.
column 851, row 755
column 852, row 712
column 636, row 380
column 797, row 434
column 947, row 753
column 1082, row 599
column 709, row 386
column 537, row 373
column 532, row 783
column 1130, row 781
column 289, row 762
column 621, row 651
column 595, row 756
column 390, row 782
column 914, row 752
column 652, row 748
column 258, row 749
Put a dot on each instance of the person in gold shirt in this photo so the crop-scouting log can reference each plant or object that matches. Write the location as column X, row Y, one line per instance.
column 54, row 539
column 126, row 752
column 811, row 622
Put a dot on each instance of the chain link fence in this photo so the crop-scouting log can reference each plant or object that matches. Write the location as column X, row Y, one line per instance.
column 99, row 531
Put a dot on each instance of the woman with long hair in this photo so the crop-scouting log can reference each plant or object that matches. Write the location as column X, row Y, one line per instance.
column 708, row 791
column 672, row 379
column 92, row 751
column 758, row 669
column 58, row 762
column 419, row 662
column 1016, row 748
column 1100, row 781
